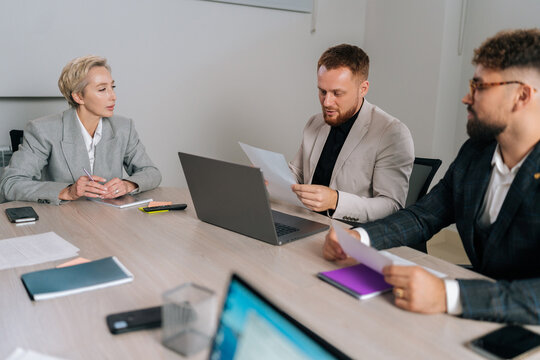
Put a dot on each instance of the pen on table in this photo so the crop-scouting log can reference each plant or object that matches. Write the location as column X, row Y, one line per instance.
column 87, row 173
column 156, row 209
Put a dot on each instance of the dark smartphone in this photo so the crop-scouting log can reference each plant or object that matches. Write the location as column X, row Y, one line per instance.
column 21, row 214
column 507, row 342
column 148, row 318
column 164, row 207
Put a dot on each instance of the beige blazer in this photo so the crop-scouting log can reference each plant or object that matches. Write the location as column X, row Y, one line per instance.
column 373, row 168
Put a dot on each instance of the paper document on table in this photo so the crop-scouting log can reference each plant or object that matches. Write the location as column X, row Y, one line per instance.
column 24, row 354
column 275, row 171
column 369, row 256
column 34, row 249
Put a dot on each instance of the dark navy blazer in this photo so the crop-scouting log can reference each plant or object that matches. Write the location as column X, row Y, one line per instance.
column 511, row 253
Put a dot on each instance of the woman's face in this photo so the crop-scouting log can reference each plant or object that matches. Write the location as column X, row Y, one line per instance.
column 98, row 97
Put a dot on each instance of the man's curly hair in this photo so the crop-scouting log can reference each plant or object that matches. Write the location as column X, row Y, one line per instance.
column 510, row 48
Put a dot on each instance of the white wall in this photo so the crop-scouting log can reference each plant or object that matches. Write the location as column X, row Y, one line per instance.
column 417, row 74
column 196, row 76
column 415, row 69
column 199, row 76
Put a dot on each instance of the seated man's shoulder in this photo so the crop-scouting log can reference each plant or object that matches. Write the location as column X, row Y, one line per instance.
column 384, row 119
column 472, row 148
column 388, row 125
column 316, row 120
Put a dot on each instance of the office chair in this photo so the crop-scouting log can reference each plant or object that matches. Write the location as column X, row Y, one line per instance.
column 16, row 139
column 423, row 171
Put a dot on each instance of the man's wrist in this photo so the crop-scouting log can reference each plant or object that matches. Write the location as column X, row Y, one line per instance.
column 364, row 236
column 453, row 302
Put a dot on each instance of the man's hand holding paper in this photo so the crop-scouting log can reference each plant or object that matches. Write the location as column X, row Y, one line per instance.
column 316, row 197
column 416, row 288
column 276, row 172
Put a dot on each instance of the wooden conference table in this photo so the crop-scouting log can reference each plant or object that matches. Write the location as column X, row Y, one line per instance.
column 165, row 250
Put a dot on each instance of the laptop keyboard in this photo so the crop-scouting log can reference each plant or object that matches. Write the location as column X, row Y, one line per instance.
column 282, row 229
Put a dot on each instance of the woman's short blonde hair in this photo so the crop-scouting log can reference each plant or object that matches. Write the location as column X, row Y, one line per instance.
column 73, row 76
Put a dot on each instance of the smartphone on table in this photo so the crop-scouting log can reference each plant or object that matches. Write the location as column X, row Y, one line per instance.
column 507, row 342
column 22, row 214
column 141, row 319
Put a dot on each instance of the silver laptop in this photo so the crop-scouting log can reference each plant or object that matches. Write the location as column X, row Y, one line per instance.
column 234, row 197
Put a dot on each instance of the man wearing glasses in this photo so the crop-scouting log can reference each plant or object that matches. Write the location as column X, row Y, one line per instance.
column 491, row 191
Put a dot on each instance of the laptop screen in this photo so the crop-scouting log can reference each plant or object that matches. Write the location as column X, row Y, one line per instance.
column 251, row 327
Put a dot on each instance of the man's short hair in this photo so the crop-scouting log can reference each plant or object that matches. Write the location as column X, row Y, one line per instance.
column 346, row 55
column 73, row 76
column 510, row 48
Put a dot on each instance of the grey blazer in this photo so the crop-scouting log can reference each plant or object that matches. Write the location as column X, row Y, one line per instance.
column 373, row 167
column 53, row 155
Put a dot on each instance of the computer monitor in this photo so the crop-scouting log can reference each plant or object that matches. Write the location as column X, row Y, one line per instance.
column 251, row 327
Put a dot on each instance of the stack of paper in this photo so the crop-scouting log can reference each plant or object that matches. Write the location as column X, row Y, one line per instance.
column 34, row 249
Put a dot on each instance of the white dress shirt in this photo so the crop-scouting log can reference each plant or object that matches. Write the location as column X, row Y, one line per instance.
column 90, row 142
column 499, row 184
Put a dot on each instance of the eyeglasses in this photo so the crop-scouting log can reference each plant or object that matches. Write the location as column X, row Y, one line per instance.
column 475, row 85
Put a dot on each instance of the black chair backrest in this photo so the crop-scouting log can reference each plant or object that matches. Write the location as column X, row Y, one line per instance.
column 424, row 170
column 422, row 173
column 16, row 139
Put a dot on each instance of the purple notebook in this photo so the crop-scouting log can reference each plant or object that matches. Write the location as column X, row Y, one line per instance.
column 357, row 280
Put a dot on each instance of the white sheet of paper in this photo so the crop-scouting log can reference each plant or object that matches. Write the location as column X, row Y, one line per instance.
column 34, row 249
column 275, row 171
column 359, row 251
column 398, row 260
column 371, row 257
column 23, row 354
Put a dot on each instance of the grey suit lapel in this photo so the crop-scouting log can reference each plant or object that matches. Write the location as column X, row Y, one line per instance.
column 102, row 155
column 73, row 145
column 358, row 131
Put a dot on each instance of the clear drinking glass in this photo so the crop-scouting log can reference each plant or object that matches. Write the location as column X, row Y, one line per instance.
column 189, row 318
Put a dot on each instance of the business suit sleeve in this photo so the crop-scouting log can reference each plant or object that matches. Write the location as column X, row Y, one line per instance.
column 137, row 163
column 502, row 301
column 419, row 222
column 21, row 179
column 391, row 172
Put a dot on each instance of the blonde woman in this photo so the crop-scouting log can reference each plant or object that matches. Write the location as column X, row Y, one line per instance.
column 83, row 150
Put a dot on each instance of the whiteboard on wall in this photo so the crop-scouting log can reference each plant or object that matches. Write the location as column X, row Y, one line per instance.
column 39, row 37
column 291, row 5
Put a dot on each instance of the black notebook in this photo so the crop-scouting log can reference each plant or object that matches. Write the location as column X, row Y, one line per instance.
column 51, row 283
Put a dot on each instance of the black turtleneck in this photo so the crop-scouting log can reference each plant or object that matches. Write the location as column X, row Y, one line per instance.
column 334, row 142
